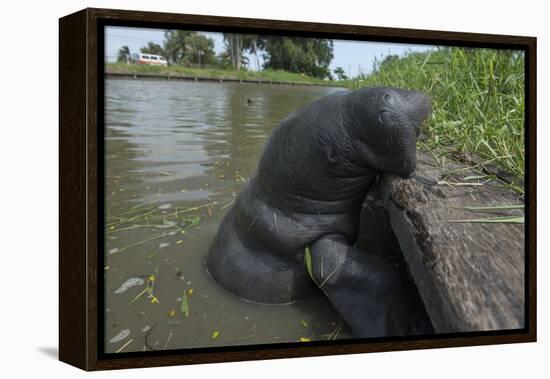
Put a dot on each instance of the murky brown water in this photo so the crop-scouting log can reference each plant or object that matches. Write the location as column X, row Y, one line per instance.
column 177, row 154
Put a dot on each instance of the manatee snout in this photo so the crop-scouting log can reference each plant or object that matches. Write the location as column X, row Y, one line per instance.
column 384, row 126
column 409, row 109
column 394, row 138
column 419, row 109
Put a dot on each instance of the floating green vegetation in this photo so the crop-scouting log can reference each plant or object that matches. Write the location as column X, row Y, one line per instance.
column 190, row 221
column 477, row 101
column 149, row 289
column 164, row 219
column 185, row 305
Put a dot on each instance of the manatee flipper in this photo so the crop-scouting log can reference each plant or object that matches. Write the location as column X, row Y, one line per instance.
column 372, row 296
column 238, row 261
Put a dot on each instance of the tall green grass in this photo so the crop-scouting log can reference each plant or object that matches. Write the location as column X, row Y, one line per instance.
column 477, row 100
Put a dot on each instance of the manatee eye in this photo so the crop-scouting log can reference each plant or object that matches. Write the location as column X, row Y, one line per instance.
column 386, row 98
column 384, row 118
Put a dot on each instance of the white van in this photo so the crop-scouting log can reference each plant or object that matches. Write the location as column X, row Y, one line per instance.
column 151, row 59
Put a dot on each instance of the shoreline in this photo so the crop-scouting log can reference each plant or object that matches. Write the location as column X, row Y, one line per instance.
column 193, row 78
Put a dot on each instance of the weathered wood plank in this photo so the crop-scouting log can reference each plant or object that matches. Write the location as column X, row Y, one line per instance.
column 469, row 275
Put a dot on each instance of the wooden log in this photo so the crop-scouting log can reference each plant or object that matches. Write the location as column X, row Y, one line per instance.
column 469, row 275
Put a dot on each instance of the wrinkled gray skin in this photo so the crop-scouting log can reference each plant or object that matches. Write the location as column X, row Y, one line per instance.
column 311, row 181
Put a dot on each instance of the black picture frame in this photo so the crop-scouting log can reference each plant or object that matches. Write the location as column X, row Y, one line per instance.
column 81, row 73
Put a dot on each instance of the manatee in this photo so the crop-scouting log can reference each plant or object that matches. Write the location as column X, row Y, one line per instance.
column 312, row 178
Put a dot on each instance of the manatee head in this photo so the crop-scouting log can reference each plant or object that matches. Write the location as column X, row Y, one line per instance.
column 383, row 124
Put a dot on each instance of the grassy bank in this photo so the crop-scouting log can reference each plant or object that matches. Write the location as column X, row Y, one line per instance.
column 269, row 75
column 477, row 101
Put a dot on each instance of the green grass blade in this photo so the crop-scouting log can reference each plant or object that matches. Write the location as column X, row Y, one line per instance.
column 495, row 208
column 309, row 265
column 474, row 177
column 494, row 220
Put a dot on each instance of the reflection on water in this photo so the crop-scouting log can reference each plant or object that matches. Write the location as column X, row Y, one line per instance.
column 177, row 154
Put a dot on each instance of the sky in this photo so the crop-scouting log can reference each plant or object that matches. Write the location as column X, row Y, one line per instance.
column 353, row 56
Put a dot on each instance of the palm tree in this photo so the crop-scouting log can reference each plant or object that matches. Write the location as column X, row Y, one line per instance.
column 253, row 43
column 340, row 73
column 175, row 44
column 237, row 44
column 200, row 49
column 234, row 47
column 123, row 55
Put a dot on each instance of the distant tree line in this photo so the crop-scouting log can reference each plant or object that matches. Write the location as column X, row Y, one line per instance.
column 308, row 56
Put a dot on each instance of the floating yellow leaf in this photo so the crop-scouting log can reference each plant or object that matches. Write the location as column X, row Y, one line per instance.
column 153, row 297
column 112, row 227
column 151, row 278
column 215, row 334
column 191, row 291
column 178, row 242
column 183, row 232
column 172, row 313
column 304, row 339
column 304, row 323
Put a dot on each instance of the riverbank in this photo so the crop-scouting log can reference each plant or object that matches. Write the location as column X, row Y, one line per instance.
column 133, row 71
